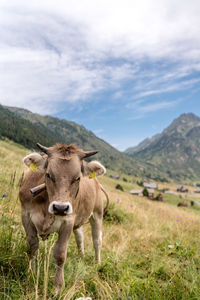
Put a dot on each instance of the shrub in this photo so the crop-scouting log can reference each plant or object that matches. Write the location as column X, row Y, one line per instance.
column 115, row 215
column 124, row 179
column 140, row 183
column 119, row 187
column 145, row 192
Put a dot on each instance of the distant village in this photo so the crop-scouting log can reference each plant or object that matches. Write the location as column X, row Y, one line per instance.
column 149, row 189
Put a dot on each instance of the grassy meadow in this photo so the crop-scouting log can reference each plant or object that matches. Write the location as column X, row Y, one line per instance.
column 151, row 250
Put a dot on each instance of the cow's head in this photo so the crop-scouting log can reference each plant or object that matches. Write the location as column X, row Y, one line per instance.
column 64, row 166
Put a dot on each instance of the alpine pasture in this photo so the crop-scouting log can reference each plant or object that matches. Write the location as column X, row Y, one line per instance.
column 150, row 249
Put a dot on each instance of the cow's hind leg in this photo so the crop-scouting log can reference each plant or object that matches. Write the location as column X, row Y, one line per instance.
column 96, row 224
column 32, row 239
column 79, row 237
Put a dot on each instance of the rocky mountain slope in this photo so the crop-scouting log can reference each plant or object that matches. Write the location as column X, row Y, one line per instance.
column 176, row 151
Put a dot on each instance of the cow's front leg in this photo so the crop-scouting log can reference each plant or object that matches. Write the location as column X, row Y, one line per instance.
column 96, row 224
column 60, row 251
column 79, row 237
column 32, row 239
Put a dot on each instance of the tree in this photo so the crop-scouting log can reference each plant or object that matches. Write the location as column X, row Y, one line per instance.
column 145, row 192
column 119, row 187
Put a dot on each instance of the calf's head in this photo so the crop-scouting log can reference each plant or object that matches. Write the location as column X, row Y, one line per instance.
column 64, row 166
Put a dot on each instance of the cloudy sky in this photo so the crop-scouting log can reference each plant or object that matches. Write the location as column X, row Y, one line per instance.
column 124, row 69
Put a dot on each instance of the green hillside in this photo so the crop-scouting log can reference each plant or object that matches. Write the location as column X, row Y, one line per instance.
column 176, row 151
column 21, row 130
column 28, row 128
column 172, row 155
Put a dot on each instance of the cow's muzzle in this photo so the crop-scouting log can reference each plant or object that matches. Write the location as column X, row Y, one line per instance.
column 60, row 208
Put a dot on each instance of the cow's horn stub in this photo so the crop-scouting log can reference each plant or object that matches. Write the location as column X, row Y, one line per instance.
column 90, row 153
column 38, row 189
column 43, row 148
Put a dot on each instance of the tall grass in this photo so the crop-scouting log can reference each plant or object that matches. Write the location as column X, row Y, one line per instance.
column 151, row 253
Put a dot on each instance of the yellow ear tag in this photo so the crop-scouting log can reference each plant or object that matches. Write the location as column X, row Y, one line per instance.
column 33, row 167
column 92, row 175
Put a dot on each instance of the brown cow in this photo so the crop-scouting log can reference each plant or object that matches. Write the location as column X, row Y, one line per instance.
column 69, row 201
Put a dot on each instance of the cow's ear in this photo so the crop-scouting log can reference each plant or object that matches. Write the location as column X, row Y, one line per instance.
column 93, row 169
column 35, row 161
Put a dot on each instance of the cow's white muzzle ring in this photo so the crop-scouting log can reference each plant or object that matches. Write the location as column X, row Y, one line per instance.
column 60, row 208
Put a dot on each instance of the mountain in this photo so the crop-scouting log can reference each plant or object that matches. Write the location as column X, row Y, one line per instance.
column 176, row 151
column 141, row 146
column 173, row 154
column 21, row 130
column 27, row 128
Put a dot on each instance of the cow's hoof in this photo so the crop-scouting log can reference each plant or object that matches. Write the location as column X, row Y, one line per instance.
column 56, row 291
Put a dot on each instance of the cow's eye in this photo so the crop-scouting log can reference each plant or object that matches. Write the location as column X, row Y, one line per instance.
column 51, row 177
column 48, row 175
column 76, row 180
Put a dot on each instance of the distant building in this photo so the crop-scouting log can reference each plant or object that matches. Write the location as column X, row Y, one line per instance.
column 151, row 192
column 114, row 176
column 197, row 191
column 150, row 186
column 136, row 192
column 169, row 192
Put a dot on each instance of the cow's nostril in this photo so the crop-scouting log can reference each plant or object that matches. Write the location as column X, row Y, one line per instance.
column 66, row 209
column 54, row 207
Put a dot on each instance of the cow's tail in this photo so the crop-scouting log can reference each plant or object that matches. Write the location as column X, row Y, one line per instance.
column 107, row 198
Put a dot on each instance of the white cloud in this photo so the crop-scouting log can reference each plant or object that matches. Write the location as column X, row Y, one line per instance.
column 53, row 52
column 142, row 107
column 156, row 106
column 169, row 87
